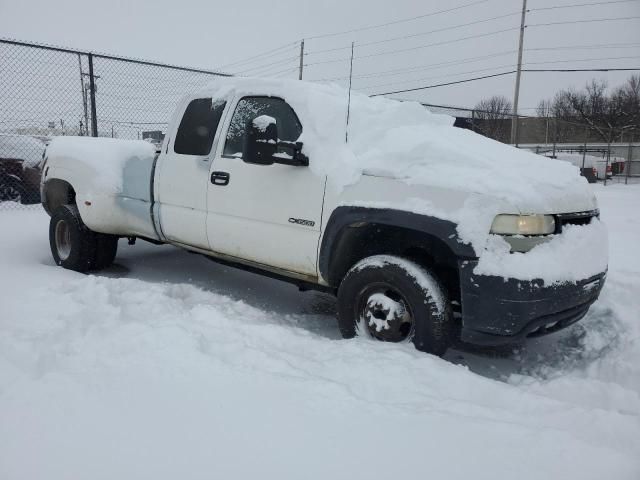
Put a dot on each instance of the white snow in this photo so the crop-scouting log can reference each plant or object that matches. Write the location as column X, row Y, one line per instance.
column 263, row 121
column 579, row 252
column 422, row 277
column 102, row 163
column 392, row 308
column 168, row 366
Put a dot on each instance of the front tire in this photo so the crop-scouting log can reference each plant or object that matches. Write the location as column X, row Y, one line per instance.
column 393, row 299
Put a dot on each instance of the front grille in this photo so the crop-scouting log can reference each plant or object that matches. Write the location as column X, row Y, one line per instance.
column 577, row 218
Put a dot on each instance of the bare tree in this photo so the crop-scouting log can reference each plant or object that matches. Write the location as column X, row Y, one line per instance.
column 492, row 116
column 608, row 115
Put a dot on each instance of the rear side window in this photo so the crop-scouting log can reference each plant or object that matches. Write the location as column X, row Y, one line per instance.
column 198, row 127
column 248, row 108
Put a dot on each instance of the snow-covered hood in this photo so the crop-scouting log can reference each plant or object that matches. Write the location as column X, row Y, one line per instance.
column 406, row 142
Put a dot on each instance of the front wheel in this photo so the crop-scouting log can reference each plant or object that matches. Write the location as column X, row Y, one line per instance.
column 393, row 299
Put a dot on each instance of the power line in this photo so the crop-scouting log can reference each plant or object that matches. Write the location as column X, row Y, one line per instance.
column 401, row 71
column 570, row 22
column 445, row 84
column 260, row 67
column 446, row 42
column 280, row 72
column 635, row 57
column 260, row 55
column 267, row 71
column 585, row 47
column 437, row 76
column 556, row 7
column 497, row 68
column 632, row 69
column 430, row 14
column 419, row 34
column 566, row 70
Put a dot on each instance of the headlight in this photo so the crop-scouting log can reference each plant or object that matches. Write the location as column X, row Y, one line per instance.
column 523, row 225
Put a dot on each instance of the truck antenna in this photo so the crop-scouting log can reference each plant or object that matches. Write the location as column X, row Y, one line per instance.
column 346, row 130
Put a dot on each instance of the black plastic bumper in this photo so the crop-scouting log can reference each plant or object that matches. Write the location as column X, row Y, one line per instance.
column 496, row 311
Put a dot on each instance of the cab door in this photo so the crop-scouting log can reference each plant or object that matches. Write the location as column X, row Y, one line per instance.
column 182, row 176
column 267, row 214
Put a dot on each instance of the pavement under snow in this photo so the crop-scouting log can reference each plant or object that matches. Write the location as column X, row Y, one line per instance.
column 169, row 366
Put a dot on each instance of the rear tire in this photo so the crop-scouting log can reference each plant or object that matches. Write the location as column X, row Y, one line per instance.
column 107, row 247
column 392, row 299
column 73, row 245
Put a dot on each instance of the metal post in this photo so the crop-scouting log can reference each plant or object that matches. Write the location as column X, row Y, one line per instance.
column 514, row 120
column 473, row 120
column 555, row 137
column 606, row 165
column 546, row 132
column 92, row 96
column 301, row 59
column 629, row 160
column 84, row 99
column 584, row 149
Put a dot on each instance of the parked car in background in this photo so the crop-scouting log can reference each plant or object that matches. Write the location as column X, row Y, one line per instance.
column 20, row 168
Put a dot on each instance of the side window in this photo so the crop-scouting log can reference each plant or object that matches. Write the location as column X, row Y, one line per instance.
column 198, row 127
column 248, row 108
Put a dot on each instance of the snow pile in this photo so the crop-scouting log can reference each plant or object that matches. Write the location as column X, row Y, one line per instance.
column 168, row 366
column 579, row 252
column 104, row 165
column 420, row 275
column 406, row 141
column 263, row 121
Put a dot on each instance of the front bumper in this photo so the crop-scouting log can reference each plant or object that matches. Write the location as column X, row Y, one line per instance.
column 496, row 311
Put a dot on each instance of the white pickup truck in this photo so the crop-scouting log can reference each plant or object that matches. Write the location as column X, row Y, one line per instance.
column 423, row 231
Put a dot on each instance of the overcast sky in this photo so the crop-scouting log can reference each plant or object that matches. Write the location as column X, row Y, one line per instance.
column 210, row 34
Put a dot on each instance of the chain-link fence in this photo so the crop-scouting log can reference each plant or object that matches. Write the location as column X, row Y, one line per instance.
column 47, row 92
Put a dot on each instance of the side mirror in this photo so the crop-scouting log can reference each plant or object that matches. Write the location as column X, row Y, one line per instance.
column 260, row 140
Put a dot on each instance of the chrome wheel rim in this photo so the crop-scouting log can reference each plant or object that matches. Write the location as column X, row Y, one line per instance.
column 63, row 240
column 385, row 314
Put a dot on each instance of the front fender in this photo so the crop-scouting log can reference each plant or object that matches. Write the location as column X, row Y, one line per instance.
column 345, row 216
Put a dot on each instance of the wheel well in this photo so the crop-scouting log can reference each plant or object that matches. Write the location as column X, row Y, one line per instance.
column 358, row 241
column 56, row 193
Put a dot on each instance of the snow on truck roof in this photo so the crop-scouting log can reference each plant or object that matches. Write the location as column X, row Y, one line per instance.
column 405, row 140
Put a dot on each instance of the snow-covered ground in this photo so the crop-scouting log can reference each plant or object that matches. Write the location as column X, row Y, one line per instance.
column 168, row 366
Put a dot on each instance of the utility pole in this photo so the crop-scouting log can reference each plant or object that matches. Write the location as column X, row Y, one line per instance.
column 514, row 119
column 301, row 59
